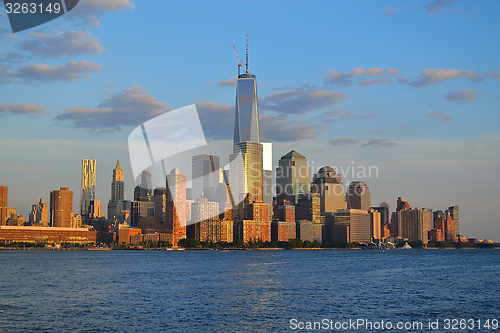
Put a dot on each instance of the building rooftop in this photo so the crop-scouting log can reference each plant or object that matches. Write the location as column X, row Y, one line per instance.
column 292, row 154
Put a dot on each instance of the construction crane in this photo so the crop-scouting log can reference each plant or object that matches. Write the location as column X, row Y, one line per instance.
column 237, row 60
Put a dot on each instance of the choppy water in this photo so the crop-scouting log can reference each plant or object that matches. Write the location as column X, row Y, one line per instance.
column 242, row 291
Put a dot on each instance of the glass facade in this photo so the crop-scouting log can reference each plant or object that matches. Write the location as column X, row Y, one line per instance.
column 246, row 126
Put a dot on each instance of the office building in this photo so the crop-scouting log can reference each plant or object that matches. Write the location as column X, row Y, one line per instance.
column 292, row 177
column 4, row 191
column 205, row 176
column 176, row 210
column 375, row 224
column 40, row 214
column 141, row 208
column 455, row 216
column 87, row 192
column 331, row 190
column 351, row 225
column 246, row 123
column 358, row 196
column 383, row 209
column 267, row 173
column 117, row 184
column 245, row 174
column 61, row 208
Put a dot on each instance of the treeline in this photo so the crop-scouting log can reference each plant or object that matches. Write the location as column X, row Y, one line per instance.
column 257, row 243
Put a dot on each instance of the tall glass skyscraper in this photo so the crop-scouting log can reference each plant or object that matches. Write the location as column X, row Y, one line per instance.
column 87, row 192
column 246, row 123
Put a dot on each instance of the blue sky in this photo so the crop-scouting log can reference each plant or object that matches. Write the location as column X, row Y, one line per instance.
column 411, row 87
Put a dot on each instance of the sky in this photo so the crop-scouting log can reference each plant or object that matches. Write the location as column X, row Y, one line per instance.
column 409, row 88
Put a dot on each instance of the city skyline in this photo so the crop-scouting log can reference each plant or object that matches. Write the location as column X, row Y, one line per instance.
column 427, row 123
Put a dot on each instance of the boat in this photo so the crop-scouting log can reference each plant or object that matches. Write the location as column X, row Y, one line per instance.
column 406, row 246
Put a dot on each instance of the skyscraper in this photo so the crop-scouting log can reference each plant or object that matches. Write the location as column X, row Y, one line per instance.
column 454, row 215
column 246, row 123
column 205, row 171
column 117, row 183
column 61, row 207
column 4, row 190
column 40, row 213
column 267, row 173
column 329, row 185
column 119, row 210
column 176, row 205
column 245, row 175
column 87, row 192
column 292, row 177
column 358, row 196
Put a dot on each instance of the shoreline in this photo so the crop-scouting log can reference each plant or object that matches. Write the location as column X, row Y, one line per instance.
column 226, row 249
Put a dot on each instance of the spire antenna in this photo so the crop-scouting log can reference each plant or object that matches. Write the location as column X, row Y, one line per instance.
column 247, row 54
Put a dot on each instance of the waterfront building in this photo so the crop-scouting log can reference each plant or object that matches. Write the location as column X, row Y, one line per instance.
column 309, row 231
column 61, row 208
column 351, row 225
column 410, row 224
column 375, row 224
column 124, row 234
column 176, row 210
column 292, row 177
column 10, row 234
column 282, row 231
column 87, row 192
column 358, row 196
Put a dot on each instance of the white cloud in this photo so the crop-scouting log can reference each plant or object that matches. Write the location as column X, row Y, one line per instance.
column 22, row 108
column 462, row 95
column 440, row 115
column 130, row 107
column 71, row 71
column 61, row 44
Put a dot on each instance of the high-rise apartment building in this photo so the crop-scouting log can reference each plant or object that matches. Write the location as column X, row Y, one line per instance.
column 292, row 177
column 358, row 196
column 410, row 223
column 206, row 176
column 4, row 191
column 61, row 207
column 87, row 192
